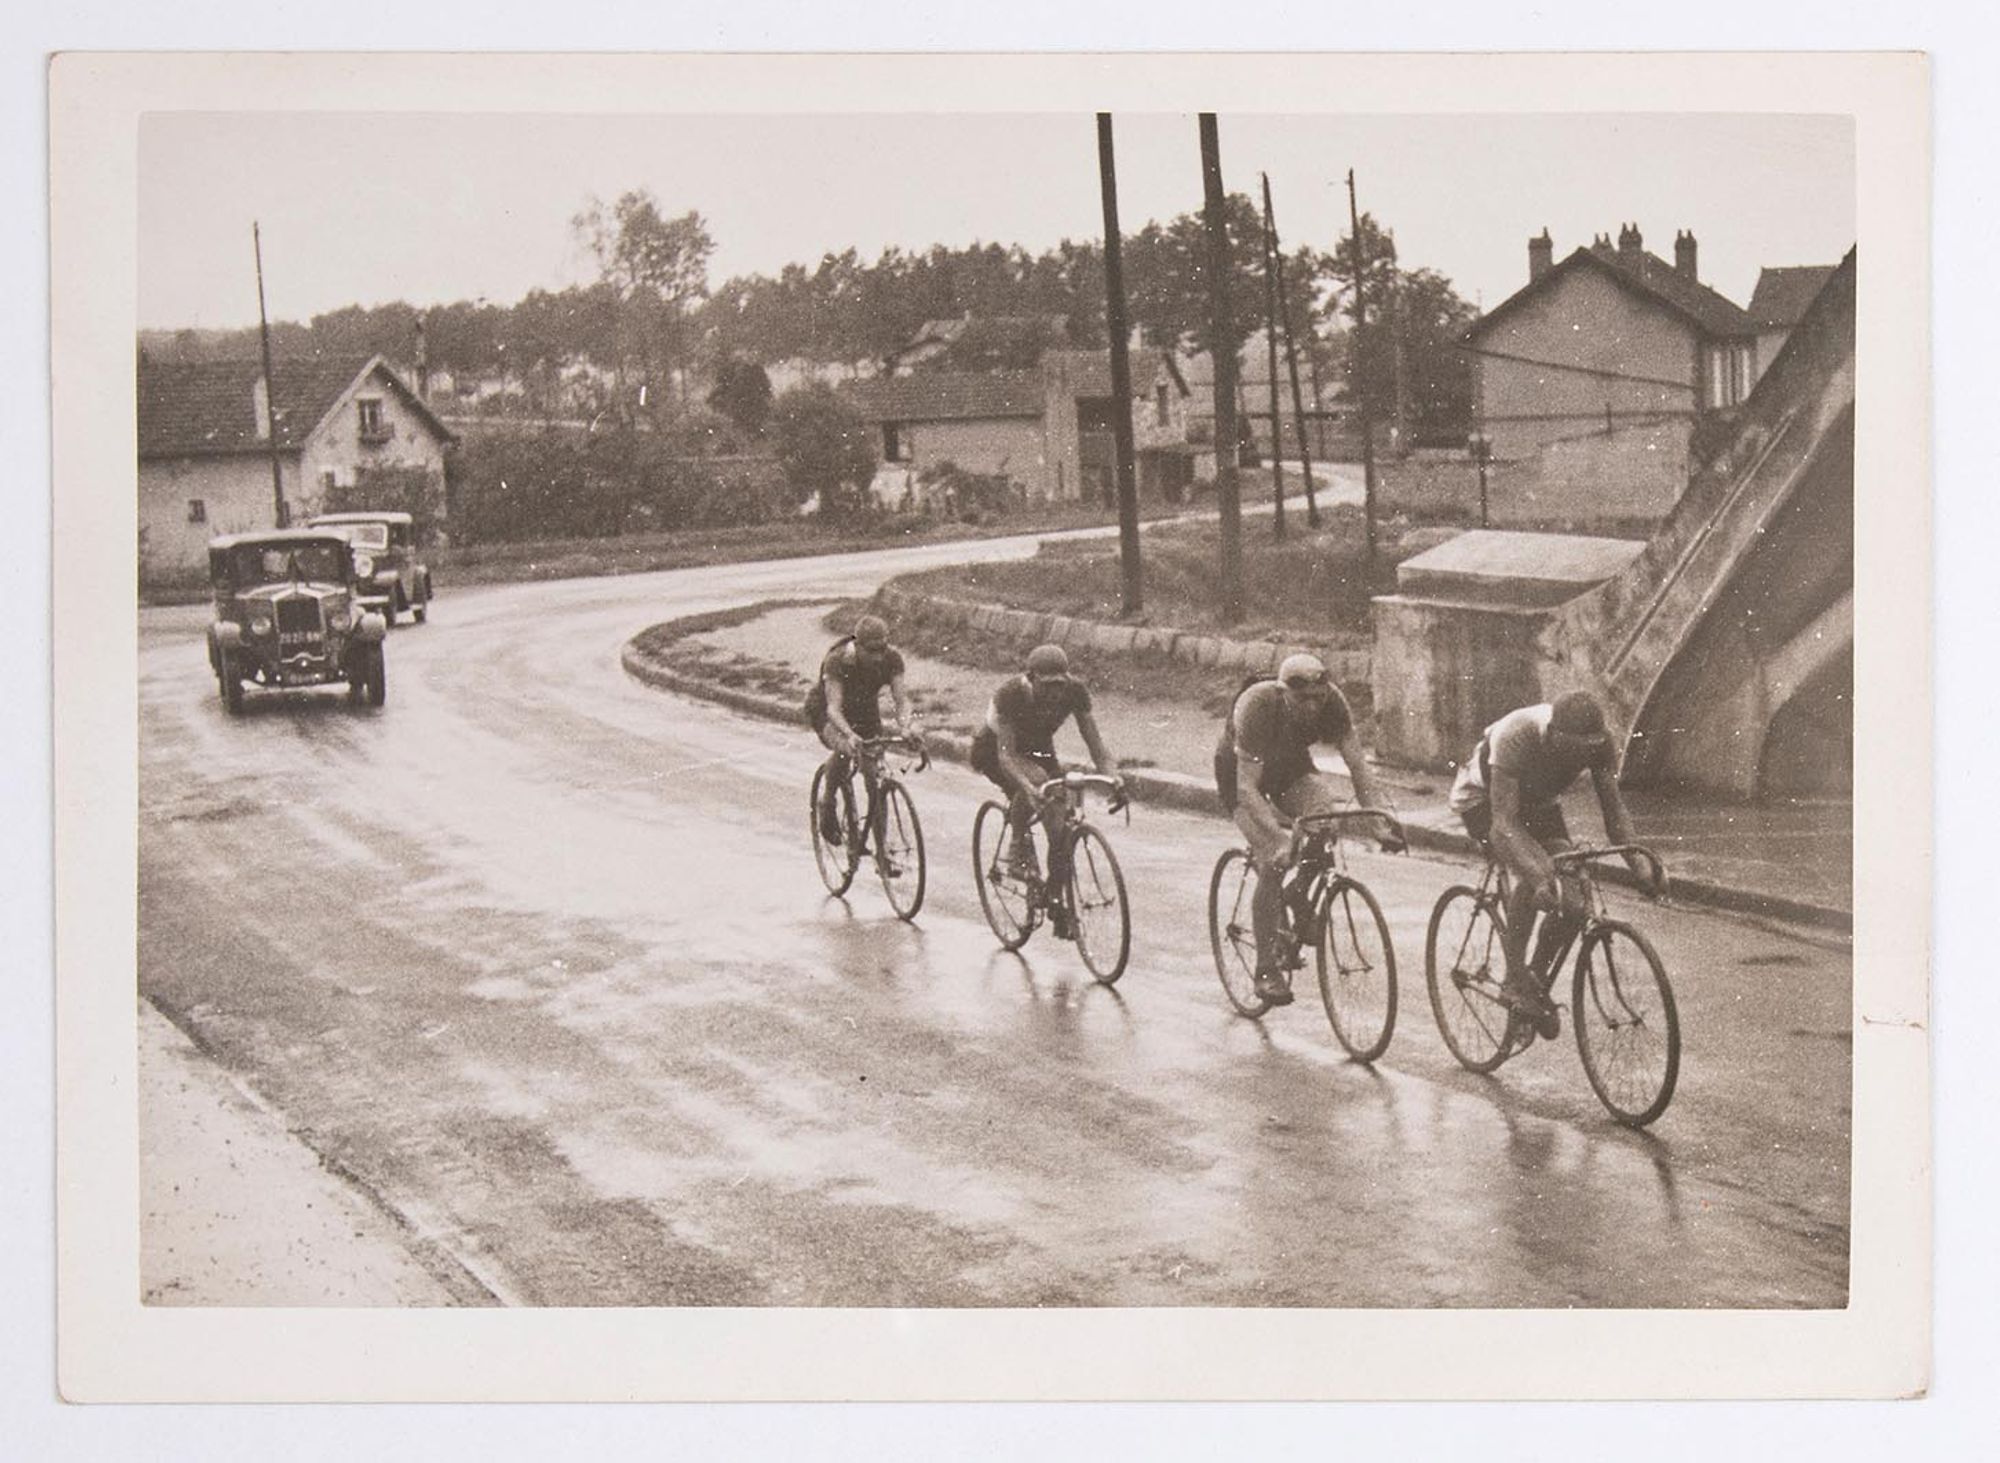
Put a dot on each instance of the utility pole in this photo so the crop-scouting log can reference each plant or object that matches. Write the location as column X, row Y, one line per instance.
column 1360, row 393
column 1121, row 375
column 1271, row 365
column 1222, row 349
column 1291, row 361
column 1396, row 330
column 282, row 516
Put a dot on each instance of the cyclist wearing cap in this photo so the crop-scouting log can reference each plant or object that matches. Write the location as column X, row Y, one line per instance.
column 845, row 703
column 1265, row 771
column 1507, row 796
column 1016, row 750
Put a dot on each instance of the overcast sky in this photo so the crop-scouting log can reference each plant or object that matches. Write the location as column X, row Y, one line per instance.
column 431, row 208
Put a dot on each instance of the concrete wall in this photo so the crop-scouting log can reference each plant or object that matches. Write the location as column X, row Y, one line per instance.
column 1584, row 320
column 1445, row 671
column 235, row 493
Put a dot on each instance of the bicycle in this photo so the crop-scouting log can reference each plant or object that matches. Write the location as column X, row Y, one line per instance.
column 1317, row 906
column 1627, row 1027
column 889, row 827
column 1086, row 904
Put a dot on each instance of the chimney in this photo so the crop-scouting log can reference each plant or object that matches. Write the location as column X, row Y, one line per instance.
column 1600, row 244
column 260, row 407
column 1541, row 254
column 1630, row 245
column 1684, row 254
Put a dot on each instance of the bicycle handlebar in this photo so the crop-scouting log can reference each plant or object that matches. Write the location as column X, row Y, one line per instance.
column 1079, row 782
column 1306, row 824
column 901, row 741
column 1578, row 856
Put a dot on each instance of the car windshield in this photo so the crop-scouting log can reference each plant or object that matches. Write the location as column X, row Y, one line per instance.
column 367, row 535
column 262, row 563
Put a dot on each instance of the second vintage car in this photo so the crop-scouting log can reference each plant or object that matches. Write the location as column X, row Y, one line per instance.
column 288, row 613
column 394, row 577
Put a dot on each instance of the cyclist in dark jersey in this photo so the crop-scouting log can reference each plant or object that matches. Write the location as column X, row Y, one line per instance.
column 845, row 704
column 1265, row 772
column 1507, row 795
column 1016, row 750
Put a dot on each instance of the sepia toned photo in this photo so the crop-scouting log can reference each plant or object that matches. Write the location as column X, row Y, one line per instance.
column 791, row 713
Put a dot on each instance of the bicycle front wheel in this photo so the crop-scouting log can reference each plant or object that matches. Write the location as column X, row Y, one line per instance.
column 832, row 824
column 1097, row 900
column 1007, row 894
column 1357, row 970
column 1464, row 967
column 1628, row 1030
column 1231, row 935
column 899, row 850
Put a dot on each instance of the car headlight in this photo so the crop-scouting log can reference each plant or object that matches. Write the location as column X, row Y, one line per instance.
column 337, row 616
column 364, row 565
column 260, row 624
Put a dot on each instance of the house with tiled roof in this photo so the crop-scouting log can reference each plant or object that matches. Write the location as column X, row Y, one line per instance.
column 205, row 445
column 1048, row 429
column 978, row 343
column 1589, row 380
column 1783, row 295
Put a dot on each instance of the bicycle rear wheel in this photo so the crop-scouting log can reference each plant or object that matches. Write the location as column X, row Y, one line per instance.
column 1007, row 898
column 1628, row 1031
column 835, row 856
column 1357, row 970
column 1464, row 968
column 1097, row 900
column 899, row 850
column 1231, row 934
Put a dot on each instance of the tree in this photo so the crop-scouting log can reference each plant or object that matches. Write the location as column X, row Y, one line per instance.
column 742, row 393
column 657, row 268
column 1419, row 306
column 823, row 446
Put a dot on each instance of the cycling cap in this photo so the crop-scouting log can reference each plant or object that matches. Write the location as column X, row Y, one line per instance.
column 1577, row 714
column 872, row 630
column 1048, row 660
column 1300, row 671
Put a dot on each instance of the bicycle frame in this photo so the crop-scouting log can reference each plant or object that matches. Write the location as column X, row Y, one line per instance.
column 871, row 762
column 1070, row 789
column 1497, row 883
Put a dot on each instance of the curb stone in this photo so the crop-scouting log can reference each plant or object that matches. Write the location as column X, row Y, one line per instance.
column 1157, row 787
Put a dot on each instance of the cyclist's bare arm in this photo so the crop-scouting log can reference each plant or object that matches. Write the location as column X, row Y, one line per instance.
column 1020, row 772
column 1366, row 788
column 1094, row 740
column 1512, row 843
column 1618, row 821
column 899, row 701
column 1264, row 816
column 836, row 709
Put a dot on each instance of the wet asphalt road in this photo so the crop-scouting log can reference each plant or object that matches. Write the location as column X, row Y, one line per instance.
column 537, row 956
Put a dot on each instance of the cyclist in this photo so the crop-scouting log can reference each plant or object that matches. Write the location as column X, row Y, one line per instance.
column 1016, row 751
column 1506, row 794
column 845, row 705
column 1265, row 772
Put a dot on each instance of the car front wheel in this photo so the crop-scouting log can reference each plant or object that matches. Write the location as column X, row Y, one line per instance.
column 229, row 682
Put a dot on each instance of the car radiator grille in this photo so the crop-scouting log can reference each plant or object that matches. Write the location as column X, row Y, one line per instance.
column 299, row 615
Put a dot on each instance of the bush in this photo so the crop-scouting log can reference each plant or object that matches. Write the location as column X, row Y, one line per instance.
column 949, row 491
column 822, row 446
column 417, row 491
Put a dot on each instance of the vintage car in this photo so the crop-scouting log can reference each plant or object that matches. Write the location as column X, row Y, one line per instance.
column 288, row 613
column 394, row 577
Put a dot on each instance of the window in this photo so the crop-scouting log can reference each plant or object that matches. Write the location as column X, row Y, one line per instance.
column 1726, row 374
column 1160, row 405
column 895, row 446
column 373, row 428
column 197, row 510
column 327, row 481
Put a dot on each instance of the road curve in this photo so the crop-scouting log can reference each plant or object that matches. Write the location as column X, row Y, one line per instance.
column 538, row 957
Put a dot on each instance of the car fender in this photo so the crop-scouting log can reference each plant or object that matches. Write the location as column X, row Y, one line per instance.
column 223, row 635
column 370, row 626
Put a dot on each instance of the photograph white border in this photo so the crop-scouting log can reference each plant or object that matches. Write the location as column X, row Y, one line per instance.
column 112, row 1348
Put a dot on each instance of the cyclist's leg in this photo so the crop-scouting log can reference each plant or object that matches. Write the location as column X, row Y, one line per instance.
column 1558, row 927
column 838, row 771
column 1265, row 911
column 985, row 760
column 1518, row 910
column 1046, row 766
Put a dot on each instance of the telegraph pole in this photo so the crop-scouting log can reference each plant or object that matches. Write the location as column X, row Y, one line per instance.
column 1360, row 393
column 1121, row 375
column 1291, row 362
column 1222, row 349
column 283, row 517
column 1271, row 365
